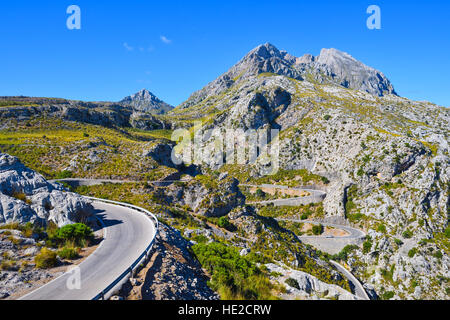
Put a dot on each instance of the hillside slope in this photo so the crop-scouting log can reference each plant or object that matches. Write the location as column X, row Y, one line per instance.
column 383, row 161
column 386, row 157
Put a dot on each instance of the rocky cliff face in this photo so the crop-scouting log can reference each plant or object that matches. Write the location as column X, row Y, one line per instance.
column 309, row 287
column 337, row 67
column 145, row 101
column 206, row 199
column 25, row 196
column 173, row 273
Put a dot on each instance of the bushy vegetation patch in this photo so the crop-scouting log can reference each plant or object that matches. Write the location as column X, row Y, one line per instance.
column 225, row 223
column 233, row 276
column 343, row 255
column 78, row 234
column 317, row 229
column 69, row 253
column 46, row 259
column 293, row 283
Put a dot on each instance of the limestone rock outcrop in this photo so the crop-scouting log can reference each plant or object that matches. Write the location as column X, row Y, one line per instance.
column 25, row 196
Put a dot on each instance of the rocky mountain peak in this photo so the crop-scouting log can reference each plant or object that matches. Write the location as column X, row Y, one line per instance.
column 341, row 68
column 330, row 67
column 144, row 94
column 265, row 51
column 328, row 56
column 306, row 59
column 145, row 101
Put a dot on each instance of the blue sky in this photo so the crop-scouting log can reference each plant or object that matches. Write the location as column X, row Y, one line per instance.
column 176, row 47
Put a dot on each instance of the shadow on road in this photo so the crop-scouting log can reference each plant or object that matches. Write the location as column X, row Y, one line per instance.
column 107, row 222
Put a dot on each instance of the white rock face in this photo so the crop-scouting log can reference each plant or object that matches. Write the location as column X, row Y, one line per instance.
column 25, row 196
column 352, row 73
column 13, row 210
column 310, row 286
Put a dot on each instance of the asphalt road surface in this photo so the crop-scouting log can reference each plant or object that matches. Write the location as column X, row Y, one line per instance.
column 357, row 286
column 128, row 234
column 352, row 232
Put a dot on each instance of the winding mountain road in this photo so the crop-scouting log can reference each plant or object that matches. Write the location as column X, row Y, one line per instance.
column 330, row 243
column 355, row 285
column 127, row 234
column 315, row 196
column 353, row 233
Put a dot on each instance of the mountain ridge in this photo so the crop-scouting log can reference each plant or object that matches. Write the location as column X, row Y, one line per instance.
column 332, row 66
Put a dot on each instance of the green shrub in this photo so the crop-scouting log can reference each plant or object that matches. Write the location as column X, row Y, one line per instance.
column 388, row 274
column 367, row 246
column 29, row 229
column 68, row 253
column 325, row 180
column 343, row 255
column 8, row 265
column 10, row 226
column 355, row 217
column 438, row 254
column 260, row 193
column 447, row 232
column 388, row 295
column 233, row 276
column 225, row 223
column 412, row 252
column 200, row 238
column 66, row 174
column 317, row 230
column 407, row 234
column 22, row 197
column 276, row 274
column 77, row 233
column 327, row 117
column 398, row 242
column 381, row 228
column 293, row 283
column 360, row 172
column 46, row 259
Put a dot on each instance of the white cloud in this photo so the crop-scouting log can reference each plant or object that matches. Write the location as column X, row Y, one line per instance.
column 128, row 47
column 165, row 40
